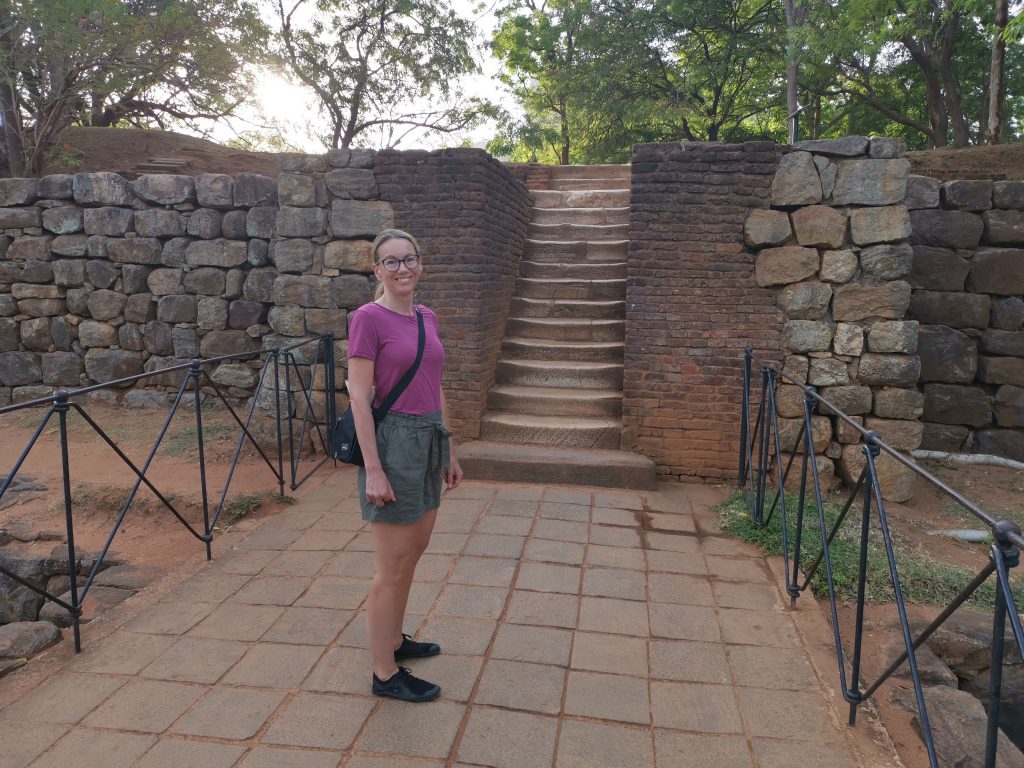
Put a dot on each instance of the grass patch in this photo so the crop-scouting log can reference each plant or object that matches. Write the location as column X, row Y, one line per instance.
column 923, row 580
column 240, row 506
column 185, row 439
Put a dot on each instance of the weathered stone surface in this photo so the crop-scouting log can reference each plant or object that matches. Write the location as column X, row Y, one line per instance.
column 766, row 227
column 173, row 254
column 887, row 262
column 35, row 334
column 78, row 300
column 804, row 301
column 69, row 272
column 253, row 189
column 42, row 307
column 827, row 371
column 216, row 253
column 19, row 368
column 789, row 432
column 64, row 334
column 352, row 183
column 234, row 281
column 781, row 266
column 938, row 269
column 296, row 189
column 61, row 369
column 159, row 223
column 164, row 188
column 946, row 229
column 129, row 336
column 205, row 281
column 953, row 404
column 295, row 256
column 849, row 340
column 1008, row 408
column 205, row 223
column 242, row 314
column 838, row 266
column 94, row 333
column 789, row 401
column 1004, row 227
column 886, row 147
column 287, row 320
column 870, row 182
column 101, row 600
column 18, row 602
column 901, row 434
column 947, row 355
column 922, row 192
column 57, row 186
column 102, row 189
column 862, row 302
column 895, row 480
column 104, row 365
column 135, row 250
column 185, row 342
column 357, row 218
column 214, row 190
column 31, row 248
column 235, row 375
column 260, row 221
column 1011, row 710
column 948, row 438
column 37, row 272
column 113, row 222
column 958, row 726
column 889, row 370
column 140, row 308
column 217, row 343
column 18, row 191
column 898, row 403
column 847, row 146
column 302, row 162
column 63, row 219
column 212, row 314
column 321, row 321
column 1008, row 314
column 930, row 667
column 301, row 222
column 8, row 335
column 806, row 336
column 258, row 254
column 8, row 306
column 796, row 367
column 796, row 181
column 352, row 291
column 24, row 639
column 997, row 270
column 998, row 342
column 133, row 278
column 1000, row 442
column 827, row 171
column 304, row 290
column 819, row 225
column 893, row 336
column 885, row 224
column 259, row 286
column 72, row 246
column 1008, row 194
column 233, row 225
column 158, row 339
column 105, row 304
column 957, row 310
column 1001, row 370
column 20, row 218
column 354, row 255
column 164, row 282
column 176, row 309
column 967, row 194
column 850, row 399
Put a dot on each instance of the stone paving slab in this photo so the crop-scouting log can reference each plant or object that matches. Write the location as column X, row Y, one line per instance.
column 581, row 628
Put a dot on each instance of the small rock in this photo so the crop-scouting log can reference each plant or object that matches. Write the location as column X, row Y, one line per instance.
column 23, row 639
column 958, row 726
column 98, row 600
column 929, row 666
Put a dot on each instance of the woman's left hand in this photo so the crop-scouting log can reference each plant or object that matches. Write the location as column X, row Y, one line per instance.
column 453, row 475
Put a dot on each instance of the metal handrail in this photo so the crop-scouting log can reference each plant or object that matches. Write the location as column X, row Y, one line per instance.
column 754, row 471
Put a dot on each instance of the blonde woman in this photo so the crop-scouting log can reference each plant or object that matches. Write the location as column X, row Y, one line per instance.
column 407, row 458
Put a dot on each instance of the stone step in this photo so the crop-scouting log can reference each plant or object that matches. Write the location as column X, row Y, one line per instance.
column 567, row 329
column 563, row 431
column 482, row 460
column 556, row 401
column 587, row 198
column 580, row 216
column 527, row 307
column 588, row 232
column 524, row 348
column 576, row 251
column 612, row 270
column 587, row 185
column 559, row 373
column 606, row 171
column 570, row 288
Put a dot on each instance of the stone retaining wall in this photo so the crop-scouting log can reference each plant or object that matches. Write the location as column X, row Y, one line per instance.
column 967, row 278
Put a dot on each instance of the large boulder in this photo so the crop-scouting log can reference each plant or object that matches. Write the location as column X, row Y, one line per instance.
column 959, row 730
column 953, row 404
column 295, row 256
column 788, row 264
column 946, row 229
column 901, row 434
column 303, row 290
column 887, row 262
column 767, row 227
column 354, row 255
column 109, row 221
column 297, row 189
column 23, row 639
column 1004, row 227
column 105, row 365
column 805, row 301
column 218, row 343
column 847, row 146
column 819, row 225
column 253, row 189
column 898, row 336
column 947, row 355
column 102, row 189
column 18, row 191
column 888, row 370
column 894, row 479
column 18, row 369
column 850, row 399
column 352, row 183
column 870, row 182
column 1000, row 442
column 855, row 302
column 159, row 223
column 898, row 403
column 215, row 190
column 806, row 336
column 164, row 188
column 17, row 601
column 957, row 310
column 1009, row 406
column 827, row 371
column 968, row 194
column 1008, row 314
column 358, row 218
column 922, row 192
column 885, row 224
column 205, row 223
column 997, row 270
column 63, row 219
column 938, row 269
column 1008, row 194
column 1001, row 370
column 261, row 221
column 998, row 342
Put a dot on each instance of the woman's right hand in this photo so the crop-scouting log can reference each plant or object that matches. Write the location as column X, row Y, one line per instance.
column 378, row 489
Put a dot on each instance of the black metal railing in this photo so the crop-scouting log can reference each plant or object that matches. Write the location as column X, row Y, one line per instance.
column 762, row 457
column 294, row 371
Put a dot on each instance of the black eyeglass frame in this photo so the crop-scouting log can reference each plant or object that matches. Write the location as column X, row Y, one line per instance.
column 414, row 257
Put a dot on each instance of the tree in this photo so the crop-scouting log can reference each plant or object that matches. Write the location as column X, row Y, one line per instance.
column 997, row 71
column 118, row 62
column 384, row 68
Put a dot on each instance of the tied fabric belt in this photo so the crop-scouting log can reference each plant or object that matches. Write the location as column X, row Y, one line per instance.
column 429, row 433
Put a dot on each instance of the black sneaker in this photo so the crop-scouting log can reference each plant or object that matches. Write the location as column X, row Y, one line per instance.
column 410, row 649
column 403, row 685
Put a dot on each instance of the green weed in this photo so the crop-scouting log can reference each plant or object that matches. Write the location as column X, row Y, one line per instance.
column 184, row 439
column 240, row 506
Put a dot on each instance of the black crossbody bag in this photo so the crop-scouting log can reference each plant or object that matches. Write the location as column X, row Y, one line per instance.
column 344, row 441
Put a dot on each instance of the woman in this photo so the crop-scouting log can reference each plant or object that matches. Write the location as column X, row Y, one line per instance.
column 400, row 482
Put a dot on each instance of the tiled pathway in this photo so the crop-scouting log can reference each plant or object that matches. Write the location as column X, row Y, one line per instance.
column 574, row 637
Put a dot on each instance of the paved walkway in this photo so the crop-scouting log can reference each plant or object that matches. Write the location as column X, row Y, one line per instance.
column 580, row 627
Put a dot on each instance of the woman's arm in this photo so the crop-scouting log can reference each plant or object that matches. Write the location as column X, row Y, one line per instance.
column 360, row 387
column 452, row 474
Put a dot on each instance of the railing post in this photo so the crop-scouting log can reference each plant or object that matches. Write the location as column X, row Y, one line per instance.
column 195, row 373
column 330, row 406
column 854, row 695
column 1010, row 556
column 745, row 415
column 277, row 420
column 61, row 406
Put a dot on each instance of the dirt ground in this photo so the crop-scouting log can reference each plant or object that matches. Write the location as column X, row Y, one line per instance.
column 1003, row 161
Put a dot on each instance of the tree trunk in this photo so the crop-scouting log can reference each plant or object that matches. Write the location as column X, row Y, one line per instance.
column 792, row 69
column 562, row 114
column 13, row 146
column 996, row 79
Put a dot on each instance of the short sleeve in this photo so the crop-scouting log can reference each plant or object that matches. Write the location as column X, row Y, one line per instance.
column 362, row 336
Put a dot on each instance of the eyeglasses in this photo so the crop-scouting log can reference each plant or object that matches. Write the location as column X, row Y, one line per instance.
column 391, row 265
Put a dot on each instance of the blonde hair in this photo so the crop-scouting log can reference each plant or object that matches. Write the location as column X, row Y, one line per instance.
column 383, row 237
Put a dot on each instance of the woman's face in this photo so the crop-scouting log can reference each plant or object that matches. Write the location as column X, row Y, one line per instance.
column 402, row 281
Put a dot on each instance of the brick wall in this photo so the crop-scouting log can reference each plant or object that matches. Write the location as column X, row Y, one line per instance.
column 692, row 304
column 469, row 214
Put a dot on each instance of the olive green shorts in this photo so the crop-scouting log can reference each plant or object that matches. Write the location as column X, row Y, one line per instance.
column 414, row 454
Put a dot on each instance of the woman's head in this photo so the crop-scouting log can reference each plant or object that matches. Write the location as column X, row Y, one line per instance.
column 396, row 264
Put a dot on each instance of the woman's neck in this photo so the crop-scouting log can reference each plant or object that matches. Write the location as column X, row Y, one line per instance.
column 400, row 306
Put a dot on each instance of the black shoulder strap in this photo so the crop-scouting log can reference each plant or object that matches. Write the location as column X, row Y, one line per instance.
column 404, row 382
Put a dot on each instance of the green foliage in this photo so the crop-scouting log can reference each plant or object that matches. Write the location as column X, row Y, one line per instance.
column 185, row 439
column 240, row 506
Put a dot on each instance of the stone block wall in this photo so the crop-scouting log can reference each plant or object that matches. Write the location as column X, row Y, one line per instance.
column 968, row 281
column 692, row 304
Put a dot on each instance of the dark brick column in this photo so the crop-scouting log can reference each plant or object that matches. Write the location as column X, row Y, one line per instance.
column 691, row 301
column 469, row 215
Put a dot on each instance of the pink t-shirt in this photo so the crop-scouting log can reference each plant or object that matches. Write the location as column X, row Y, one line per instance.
column 390, row 339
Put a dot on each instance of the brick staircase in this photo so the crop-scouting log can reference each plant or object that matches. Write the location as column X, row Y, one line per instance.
column 555, row 412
